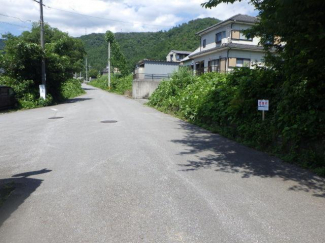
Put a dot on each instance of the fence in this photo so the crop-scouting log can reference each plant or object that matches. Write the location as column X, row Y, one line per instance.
column 150, row 76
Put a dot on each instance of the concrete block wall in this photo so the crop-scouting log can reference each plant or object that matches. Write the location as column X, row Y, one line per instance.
column 142, row 89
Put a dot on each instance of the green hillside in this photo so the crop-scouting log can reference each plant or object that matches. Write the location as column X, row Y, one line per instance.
column 151, row 45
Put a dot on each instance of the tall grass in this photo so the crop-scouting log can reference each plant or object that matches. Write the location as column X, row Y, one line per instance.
column 119, row 85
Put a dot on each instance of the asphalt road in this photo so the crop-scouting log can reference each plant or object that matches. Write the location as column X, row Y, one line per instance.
column 149, row 177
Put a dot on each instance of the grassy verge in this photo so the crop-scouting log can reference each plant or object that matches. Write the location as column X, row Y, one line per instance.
column 27, row 94
column 119, row 85
column 227, row 104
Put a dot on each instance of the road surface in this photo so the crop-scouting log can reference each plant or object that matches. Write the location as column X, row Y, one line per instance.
column 144, row 176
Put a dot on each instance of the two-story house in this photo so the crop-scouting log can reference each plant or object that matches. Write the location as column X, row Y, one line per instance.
column 224, row 47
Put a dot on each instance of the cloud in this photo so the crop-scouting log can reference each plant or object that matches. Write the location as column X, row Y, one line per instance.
column 77, row 17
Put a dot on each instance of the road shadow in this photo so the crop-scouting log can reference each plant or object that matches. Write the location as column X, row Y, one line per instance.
column 88, row 89
column 23, row 187
column 75, row 100
column 224, row 155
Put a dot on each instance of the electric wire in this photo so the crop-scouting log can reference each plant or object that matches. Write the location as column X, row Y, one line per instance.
column 91, row 16
column 25, row 27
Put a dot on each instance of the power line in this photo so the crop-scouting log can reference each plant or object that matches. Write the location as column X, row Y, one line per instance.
column 14, row 24
column 113, row 20
column 5, row 15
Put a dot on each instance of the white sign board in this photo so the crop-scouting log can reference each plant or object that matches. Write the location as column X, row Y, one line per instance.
column 263, row 105
column 42, row 91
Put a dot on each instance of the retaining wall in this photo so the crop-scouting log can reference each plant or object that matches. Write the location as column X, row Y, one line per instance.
column 142, row 89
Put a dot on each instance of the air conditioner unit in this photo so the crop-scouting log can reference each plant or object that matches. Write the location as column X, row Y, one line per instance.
column 225, row 41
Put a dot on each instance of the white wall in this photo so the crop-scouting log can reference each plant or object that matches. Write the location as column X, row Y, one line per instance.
column 160, row 68
column 168, row 57
column 209, row 57
column 211, row 37
column 255, row 41
column 255, row 57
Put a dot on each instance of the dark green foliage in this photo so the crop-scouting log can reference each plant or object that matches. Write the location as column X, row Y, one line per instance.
column 295, row 29
column 151, row 45
column 93, row 73
column 109, row 37
column 22, row 64
column 27, row 95
column 2, row 44
column 119, row 84
column 122, row 85
column 71, row 88
column 227, row 104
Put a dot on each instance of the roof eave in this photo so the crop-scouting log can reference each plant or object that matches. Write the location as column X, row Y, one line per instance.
column 208, row 52
column 214, row 27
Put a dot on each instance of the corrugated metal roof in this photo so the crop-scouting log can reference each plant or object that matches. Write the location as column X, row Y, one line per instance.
column 237, row 18
column 157, row 61
column 181, row 52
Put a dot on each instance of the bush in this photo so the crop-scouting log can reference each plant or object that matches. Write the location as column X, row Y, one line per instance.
column 27, row 95
column 100, row 82
column 294, row 127
column 21, row 61
column 119, row 84
column 71, row 88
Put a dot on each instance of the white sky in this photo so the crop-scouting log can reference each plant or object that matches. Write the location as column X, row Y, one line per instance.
column 117, row 16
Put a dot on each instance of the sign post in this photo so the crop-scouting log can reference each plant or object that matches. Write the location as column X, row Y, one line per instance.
column 263, row 105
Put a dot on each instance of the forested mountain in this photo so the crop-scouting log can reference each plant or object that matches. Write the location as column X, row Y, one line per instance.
column 152, row 45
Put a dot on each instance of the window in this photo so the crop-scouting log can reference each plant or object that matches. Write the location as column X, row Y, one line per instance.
column 220, row 36
column 213, row 66
column 204, row 43
column 238, row 35
column 241, row 62
column 199, row 67
column 243, row 37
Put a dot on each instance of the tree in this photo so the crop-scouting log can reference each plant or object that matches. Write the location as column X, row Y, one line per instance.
column 22, row 55
column 93, row 73
column 117, row 57
column 293, row 34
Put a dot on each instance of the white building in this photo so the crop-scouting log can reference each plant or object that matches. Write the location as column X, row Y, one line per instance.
column 176, row 56
column 148, row 74
column 224, row 47
column 154, row 69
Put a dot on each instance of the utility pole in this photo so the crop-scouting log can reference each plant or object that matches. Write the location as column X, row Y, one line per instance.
column 86, row 69
column 109, row 65
column 43, row 46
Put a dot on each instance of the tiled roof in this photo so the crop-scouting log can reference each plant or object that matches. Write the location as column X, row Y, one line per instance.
column 230, row 46
column 237, row 18
column 243, row 18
